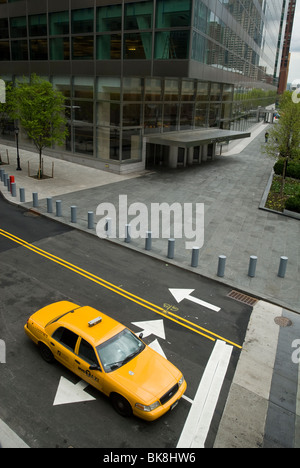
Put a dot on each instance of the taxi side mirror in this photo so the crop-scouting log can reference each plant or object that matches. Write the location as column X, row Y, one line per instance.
column 95, row 367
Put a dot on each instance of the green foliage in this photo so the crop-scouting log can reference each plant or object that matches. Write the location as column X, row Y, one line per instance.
column 293, row 168
column 39, row 108
column 284, row 138
column 293, row 204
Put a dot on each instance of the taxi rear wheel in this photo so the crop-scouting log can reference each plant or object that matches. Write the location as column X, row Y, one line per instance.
column 46, row 353
column 121, row 405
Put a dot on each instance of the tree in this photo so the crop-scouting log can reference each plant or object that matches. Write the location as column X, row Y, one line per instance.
column 284, row 137
column 40, row 111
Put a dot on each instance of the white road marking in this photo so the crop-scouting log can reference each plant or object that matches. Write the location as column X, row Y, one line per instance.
column 181, row 294
column 68, row 392
column 198, row 422
column 152, row 327
column 9, row 439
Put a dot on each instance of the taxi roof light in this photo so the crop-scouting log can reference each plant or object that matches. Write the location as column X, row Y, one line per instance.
column 95, row 321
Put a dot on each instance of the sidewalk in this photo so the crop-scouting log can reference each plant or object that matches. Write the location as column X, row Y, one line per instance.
column 263, row 404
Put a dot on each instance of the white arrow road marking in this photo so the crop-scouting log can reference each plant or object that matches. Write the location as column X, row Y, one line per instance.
column 181, row 294
column 67, row 392
column 152, row 327
column 156, row 346
column 198, row 422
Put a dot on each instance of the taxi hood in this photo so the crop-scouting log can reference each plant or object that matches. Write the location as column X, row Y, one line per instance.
column 147, row 376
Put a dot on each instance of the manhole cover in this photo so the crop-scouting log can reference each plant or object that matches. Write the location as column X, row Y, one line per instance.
column 283, row 321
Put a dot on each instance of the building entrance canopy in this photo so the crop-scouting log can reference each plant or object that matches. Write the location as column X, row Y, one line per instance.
column 191, row 139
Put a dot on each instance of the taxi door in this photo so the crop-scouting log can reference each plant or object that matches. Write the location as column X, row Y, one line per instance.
column 84, row 359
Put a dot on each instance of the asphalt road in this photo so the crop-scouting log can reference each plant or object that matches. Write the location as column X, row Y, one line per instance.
column 126, row 285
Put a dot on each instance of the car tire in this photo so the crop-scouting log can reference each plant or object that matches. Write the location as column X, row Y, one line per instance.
column 46, row 353
column 121, row 405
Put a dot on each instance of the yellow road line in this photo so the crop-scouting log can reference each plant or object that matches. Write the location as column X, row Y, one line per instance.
column 116, row 289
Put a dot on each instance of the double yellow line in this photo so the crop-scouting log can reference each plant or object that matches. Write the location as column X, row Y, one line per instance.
column 117, row 290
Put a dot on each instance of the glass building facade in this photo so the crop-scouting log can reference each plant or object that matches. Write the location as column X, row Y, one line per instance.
column 129, row 69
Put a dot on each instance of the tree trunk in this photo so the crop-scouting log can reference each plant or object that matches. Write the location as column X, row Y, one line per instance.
column 39, row 175
column 283, row 177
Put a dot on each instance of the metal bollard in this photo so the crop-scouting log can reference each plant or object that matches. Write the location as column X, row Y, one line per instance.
column 58, row 208
column 127, row 233
column 221, row 265
column 282, row 267
column 1, row 174
column 195, row 257
column 148, row 241
column 35, row 201
column 108, row 227
column 49, row 205
column 22, row 195
column 90, row 220
column 13, row 189
column 171, row 248
column 252, row 266
column 73, row 214
column 5, row 178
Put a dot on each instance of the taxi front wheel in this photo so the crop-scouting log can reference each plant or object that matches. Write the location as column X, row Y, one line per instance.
column 46, row 353
column 121, row 405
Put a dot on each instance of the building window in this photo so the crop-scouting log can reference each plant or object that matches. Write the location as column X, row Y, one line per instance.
column 171, row 90
column 82, row 48
column 108, row 114
column 187, row 116
column 83, row 138
column 83, row 21
column 18, row 27
column 173, row 13
column 138, row 46
column 109, row 47
column 131, row 144
column 4, row 51
column 131, row 115
column 188, row 90
column 60, row 48
column 19, row 50
column 170, row 117
column 172, row 45
column 153, row 89
column 83, row 88
column 59, row 23
column 132, row 89
column 4, row 28
column 38, row 25
column 39, row 49
column 138, row 16
column 109, row 89
column 152, row 117
column 109, row 18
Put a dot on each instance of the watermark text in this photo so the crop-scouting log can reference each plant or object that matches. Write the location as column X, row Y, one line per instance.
column 163, row 220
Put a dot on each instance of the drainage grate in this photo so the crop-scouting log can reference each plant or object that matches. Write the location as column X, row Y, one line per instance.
column 238, row 296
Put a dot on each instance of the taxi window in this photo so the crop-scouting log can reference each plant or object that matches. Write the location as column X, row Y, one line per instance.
column 86, row 352
column 66, row 337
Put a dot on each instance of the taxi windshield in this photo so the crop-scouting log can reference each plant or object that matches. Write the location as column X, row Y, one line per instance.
column 119, row 350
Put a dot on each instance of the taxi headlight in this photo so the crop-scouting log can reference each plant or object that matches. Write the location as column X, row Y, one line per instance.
column 181, row 381
column 147, row 408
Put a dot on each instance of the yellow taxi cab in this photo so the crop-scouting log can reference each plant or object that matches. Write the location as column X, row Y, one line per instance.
column 108, row 356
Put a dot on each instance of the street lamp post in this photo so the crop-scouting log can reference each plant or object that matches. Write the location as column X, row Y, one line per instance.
column 18, row 155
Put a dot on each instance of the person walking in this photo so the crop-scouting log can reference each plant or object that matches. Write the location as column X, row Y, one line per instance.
column 266, row 137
